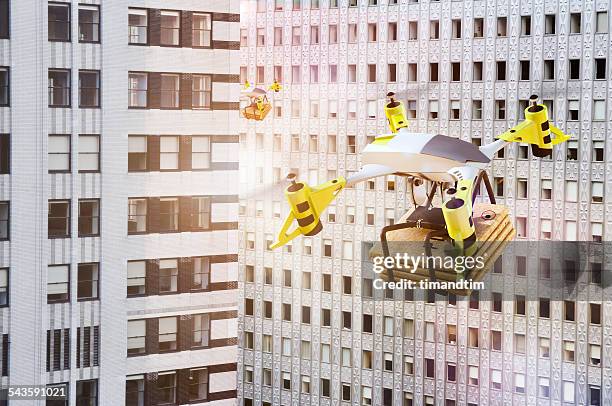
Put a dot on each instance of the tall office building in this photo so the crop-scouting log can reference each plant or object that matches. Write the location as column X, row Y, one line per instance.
column 311, row 333
column 119, row 200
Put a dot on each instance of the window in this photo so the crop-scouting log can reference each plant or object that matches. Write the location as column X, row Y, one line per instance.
column 544, row 347
column 4, row 287
column 168, row 153
column 168, row 275
column 137, row 216
column 4, row 19
column 599, row 110
column 502, row 26
column 333, row 34
column 550, row 24
column 58, row 283
column 455, row 108
column 456, row 71
column 89, row 89
column 433, row 109
column 170, row 89
column 59, row 219
column 594, row 354
column 392, row 32
column 136, row 337
column 89, row 217
column 574, row 69
column 200, row 214
column 87, row 393
column 477, row 71
column 198, row 384
column 296, row 37
column 201, row 91
column 472, row 375
column 59, row 22
column 501, row 70
column 261, row 38
column 500, row 109
column 137, row 89
column 597, row 192
column 433, row 72
column 136, row 276
column 200, row 152
column 89, row 23
column 166, row 388
column 456, row 28
column 430, row 368
column 168, row 214
column 167, row 333
column 544, row 387
column 59, row 88
column 600, row 68
column 413, row 30
column 201, row 30
column 89, row 153
column 200, row 330
column 568, row 392
column 137, row 153
column 477, row 110
column 170, row 28
column 525, row 25
column 575, row 24
column 87, row 286
column 138, row 26
column 352, row 33
column 135, row 390
column 372, row 73
column 478, row 27
column 434, row 29
column 59, row 153
column 372, row 31
column 595, row 313
column 4, row 87
column 598, row 151
column 278, row 36
column 524, row 70
column 601, row 22
column 314, row 34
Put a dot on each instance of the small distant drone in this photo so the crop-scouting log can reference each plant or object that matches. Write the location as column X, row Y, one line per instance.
column 453, row 166
column 254, row 100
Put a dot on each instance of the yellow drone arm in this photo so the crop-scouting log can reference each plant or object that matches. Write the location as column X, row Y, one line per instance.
column 323, row 194
column 536, row 130
column 559, row 135
column 283, row 237
column 523, row 132
column 306, row 206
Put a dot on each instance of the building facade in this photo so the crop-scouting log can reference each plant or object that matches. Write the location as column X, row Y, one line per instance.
column 310, row 333
column 119, row 200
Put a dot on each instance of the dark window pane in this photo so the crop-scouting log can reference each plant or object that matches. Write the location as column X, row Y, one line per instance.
column 59, row 22
column 89, row 89
column 87, row 393
column 4, row 18
column 59, row 219
column 4, row 87
column 89, row 23
column 59, row 88
column 89, row 217
column 87, row 281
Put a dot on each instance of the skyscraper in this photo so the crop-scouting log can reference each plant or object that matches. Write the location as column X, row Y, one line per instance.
column 119, row 199
column 466, row 69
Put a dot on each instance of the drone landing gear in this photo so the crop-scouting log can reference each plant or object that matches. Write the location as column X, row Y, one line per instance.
column 431, row 218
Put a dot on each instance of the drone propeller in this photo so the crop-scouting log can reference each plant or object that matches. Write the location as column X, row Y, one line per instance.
column 266, row 189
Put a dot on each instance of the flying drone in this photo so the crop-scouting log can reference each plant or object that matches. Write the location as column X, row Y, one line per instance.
column 254, row 101
column 454, row 167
